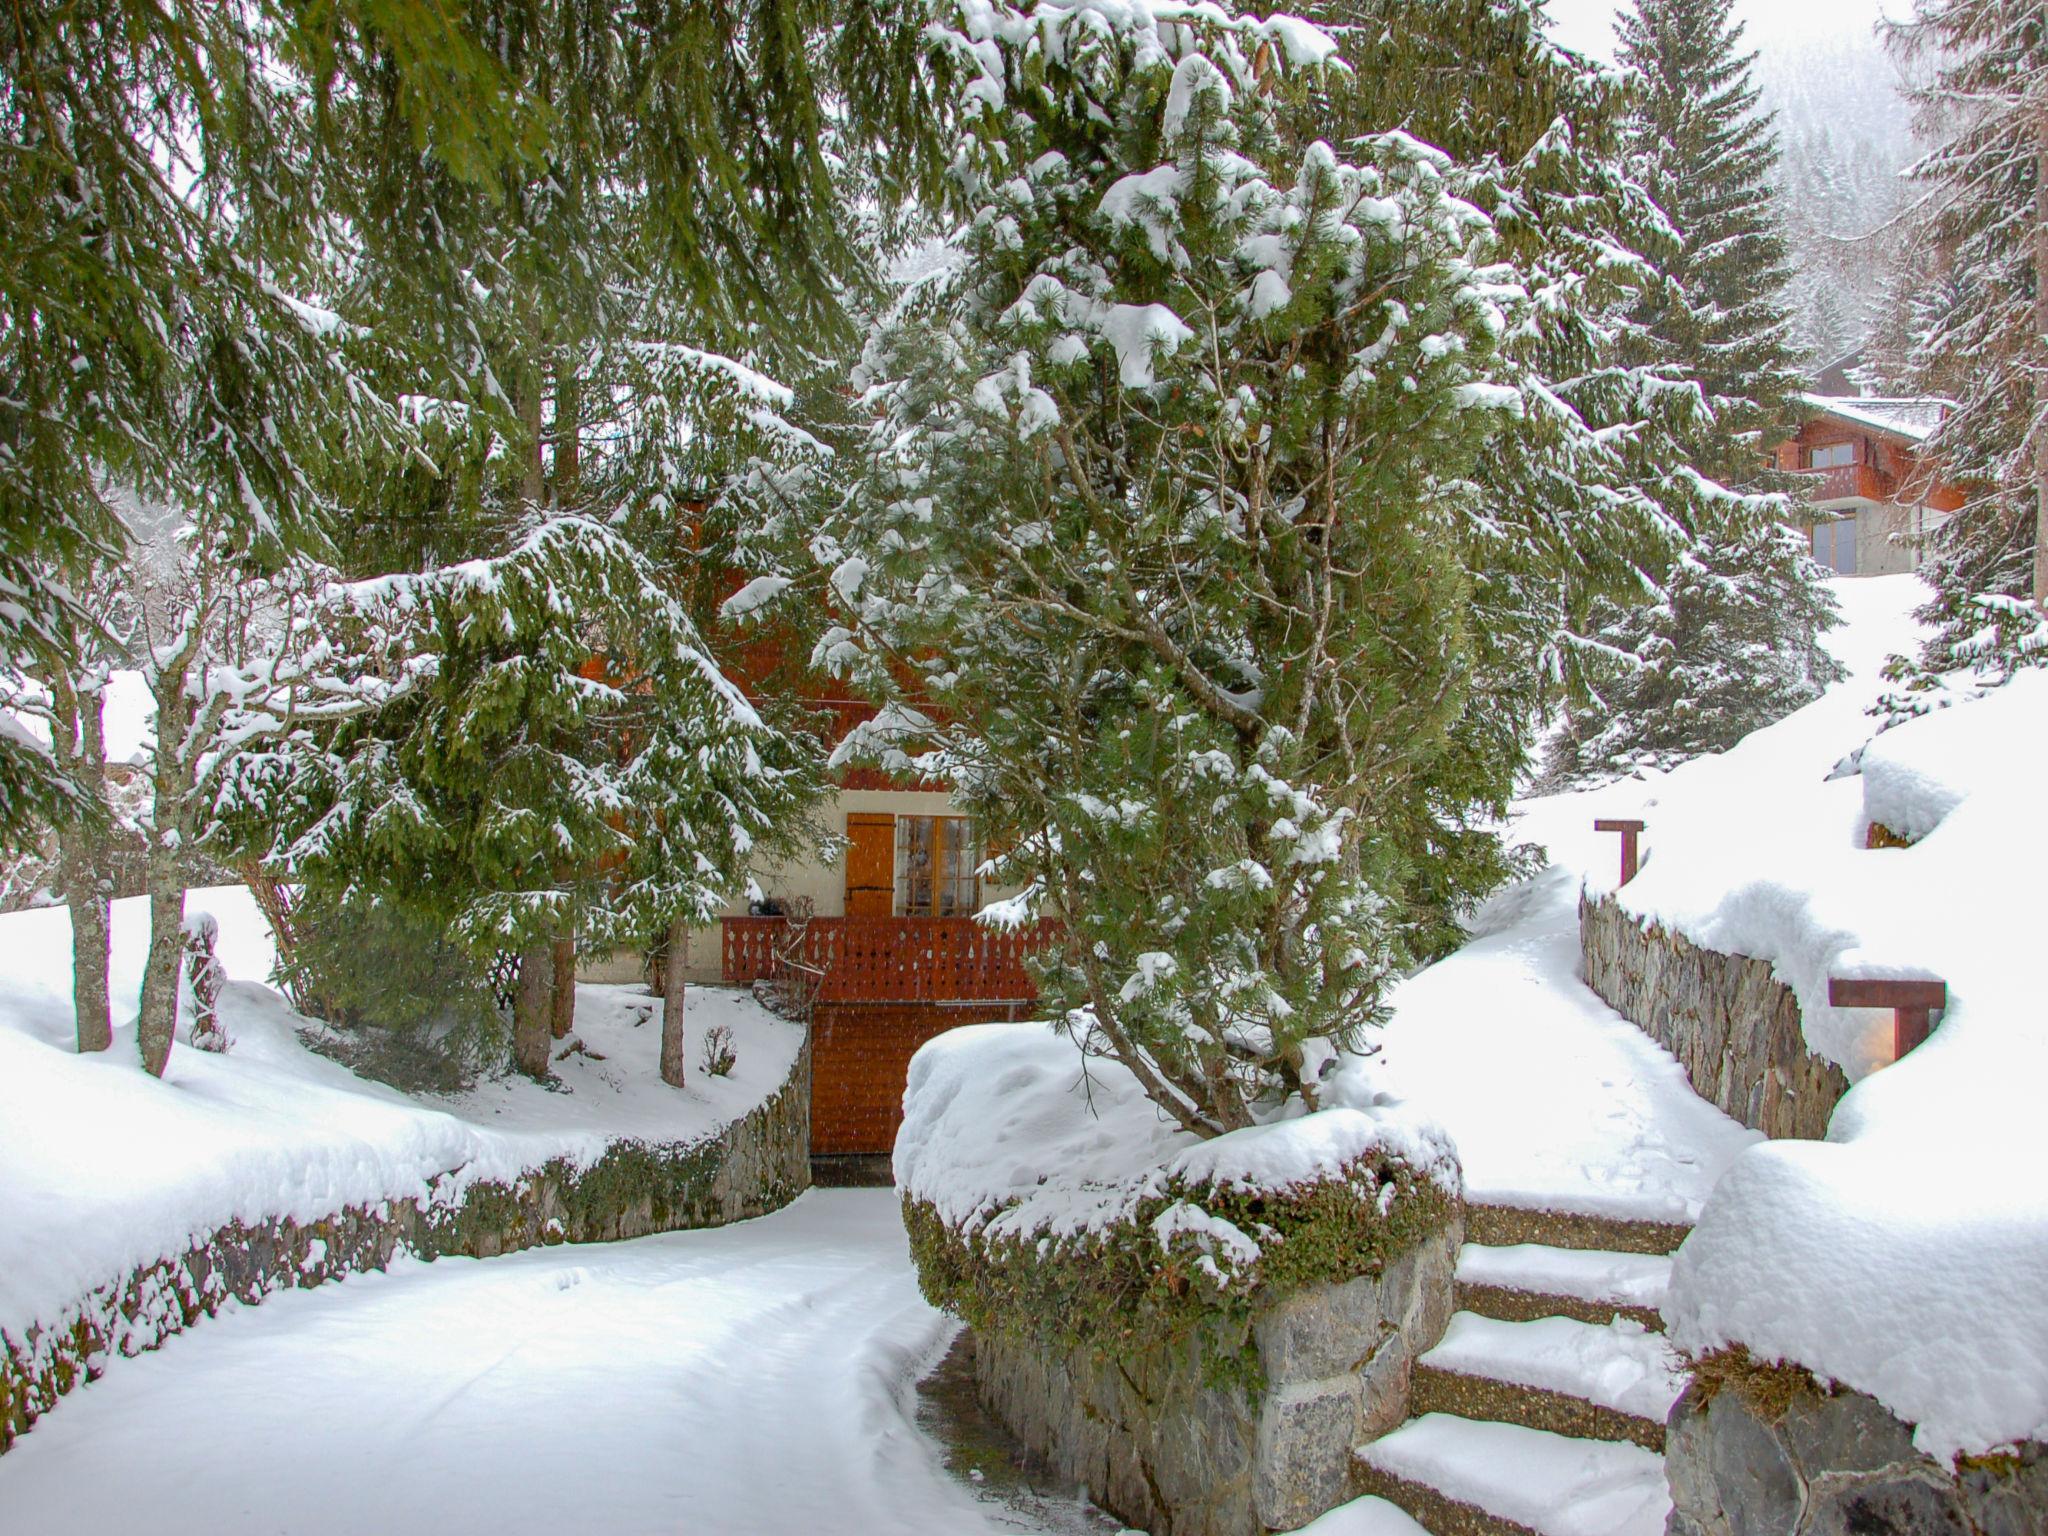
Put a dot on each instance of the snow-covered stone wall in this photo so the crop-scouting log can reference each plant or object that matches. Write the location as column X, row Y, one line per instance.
column 1763, row 1451
column 1155, row 1437
column 753, row 1165
column 1731, row 1023
column 1199, row 1331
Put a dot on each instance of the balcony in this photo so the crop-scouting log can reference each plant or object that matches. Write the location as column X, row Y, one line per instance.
column 884, row 959
column 1845, row 482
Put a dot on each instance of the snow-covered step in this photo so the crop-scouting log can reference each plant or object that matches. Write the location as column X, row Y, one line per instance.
column 1529, row 1280
column 1502, row 1226
column 1364, row 1517
column 1597, row 1381
column 1462, row 1477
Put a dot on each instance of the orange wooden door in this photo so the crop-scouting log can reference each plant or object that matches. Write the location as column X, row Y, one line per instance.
column 870, row 865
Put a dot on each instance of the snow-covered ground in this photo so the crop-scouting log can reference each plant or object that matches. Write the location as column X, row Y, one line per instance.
column 759, row 1378
column 1907, row 1255
column 104, row 1168
column 1553, row 1100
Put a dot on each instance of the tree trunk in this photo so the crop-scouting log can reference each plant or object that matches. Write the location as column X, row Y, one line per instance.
column 675, row 1066
column 165, row 872
column 532, row 1011
column 562, row 1011
column 80, row 741
column 568, row 436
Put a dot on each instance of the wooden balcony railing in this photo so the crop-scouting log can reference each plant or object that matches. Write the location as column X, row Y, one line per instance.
column 889, row 959
column 1846, row 480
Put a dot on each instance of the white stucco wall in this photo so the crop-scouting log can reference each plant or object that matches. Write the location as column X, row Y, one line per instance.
column 824, row 883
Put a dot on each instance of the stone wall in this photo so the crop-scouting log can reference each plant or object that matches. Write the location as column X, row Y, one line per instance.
column 1800, row 1461
column 755, row 1165
column 1733, row 1026
column 1169, row 1449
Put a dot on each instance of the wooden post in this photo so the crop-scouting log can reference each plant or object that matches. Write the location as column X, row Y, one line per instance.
column 1911, row 1002
column 1630, row 831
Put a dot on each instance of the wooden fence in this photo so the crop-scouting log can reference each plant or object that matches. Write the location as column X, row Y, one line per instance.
column 889, row 959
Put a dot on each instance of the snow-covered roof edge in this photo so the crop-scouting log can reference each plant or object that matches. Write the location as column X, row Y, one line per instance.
column 1911, row 418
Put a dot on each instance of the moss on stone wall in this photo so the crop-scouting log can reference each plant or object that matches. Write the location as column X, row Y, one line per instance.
column 1122, row 1292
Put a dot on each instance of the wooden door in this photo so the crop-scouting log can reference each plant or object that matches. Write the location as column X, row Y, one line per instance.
column 870, row 865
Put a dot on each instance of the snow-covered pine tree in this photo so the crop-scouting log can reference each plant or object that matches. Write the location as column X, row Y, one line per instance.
column 1985, row 103
column 1171, row 544
column 511, row 748
column 576, row 318
column 1732, row 641
column 1708, row 155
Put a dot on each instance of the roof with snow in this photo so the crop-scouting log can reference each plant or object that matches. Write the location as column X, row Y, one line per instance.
column 1911, row 418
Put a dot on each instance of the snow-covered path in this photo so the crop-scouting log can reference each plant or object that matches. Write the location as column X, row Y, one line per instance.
column 758, row 1378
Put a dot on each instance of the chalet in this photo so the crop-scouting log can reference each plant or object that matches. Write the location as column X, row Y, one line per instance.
column 1871, row 494
column 879, row 949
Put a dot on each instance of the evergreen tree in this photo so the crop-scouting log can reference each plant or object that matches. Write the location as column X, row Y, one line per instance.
column 1181, row 538
column 1708, row 156
column 1985, row 345
column 509, row 749
column 577, row 322
column 1731, row 644
column 160, row 342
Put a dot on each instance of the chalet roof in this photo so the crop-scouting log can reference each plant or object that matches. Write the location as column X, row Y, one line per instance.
column 1913, row 419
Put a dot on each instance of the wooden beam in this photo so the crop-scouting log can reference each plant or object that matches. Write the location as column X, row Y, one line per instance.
column 1630, row 848
column 1912, row 1002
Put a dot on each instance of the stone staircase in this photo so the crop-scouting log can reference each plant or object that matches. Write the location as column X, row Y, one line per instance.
column 1541, row 1412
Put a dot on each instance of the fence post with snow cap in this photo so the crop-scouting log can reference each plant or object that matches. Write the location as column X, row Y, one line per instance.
column 1912, row 1002
column 1630, row 832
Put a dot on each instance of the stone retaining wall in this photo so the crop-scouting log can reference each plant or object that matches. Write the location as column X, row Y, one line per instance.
column 1733, row 1026
column 1800, row 1461
column 1169, row 1450
column 755, row 1165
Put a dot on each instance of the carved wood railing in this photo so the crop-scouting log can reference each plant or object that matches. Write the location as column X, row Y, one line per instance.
column 889, row 959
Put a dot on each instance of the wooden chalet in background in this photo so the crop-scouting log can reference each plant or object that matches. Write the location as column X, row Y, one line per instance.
column 1872, row 496
column 880, row 946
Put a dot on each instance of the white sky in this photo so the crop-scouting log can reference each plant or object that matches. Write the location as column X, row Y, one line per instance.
column 1587, row 25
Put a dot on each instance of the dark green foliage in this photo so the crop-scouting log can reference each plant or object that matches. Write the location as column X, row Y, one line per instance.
column 1237, row 503
column 1730, row 640
column 1732, row 645
column 527, row 745
column 1708, row 155
column 156, row 256
column 409, row 1008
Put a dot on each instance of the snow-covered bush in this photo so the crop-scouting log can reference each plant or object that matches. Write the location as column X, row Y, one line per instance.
column 1139, row 1235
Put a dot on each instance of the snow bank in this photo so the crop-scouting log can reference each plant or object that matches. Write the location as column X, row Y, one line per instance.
column 1008, row 1132
column 104, row 1169
column 1907, row 1255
